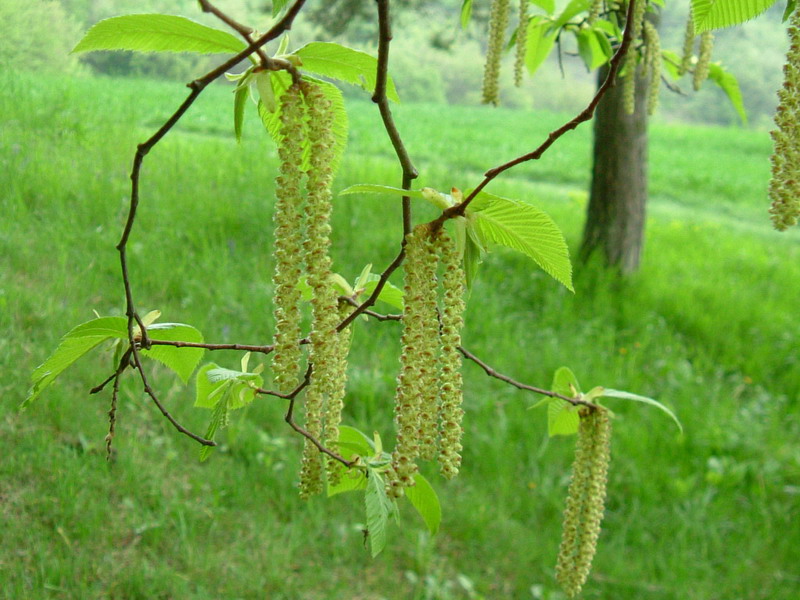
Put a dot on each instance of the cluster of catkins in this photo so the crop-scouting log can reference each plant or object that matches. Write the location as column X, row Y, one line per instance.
column 428, row 409
column 302, row 243
column 585, row 500
column 784, row 186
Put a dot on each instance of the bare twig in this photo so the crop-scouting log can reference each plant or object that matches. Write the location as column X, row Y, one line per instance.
column 585, row 115
column 522, row 386
column 112, row 416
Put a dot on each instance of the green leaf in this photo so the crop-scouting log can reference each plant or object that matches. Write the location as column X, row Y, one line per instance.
column 424, row 499
column 572, row 9
column 277, row 6
column 181, row 360
column 214, row 382
column 373, row 188
column 157, row 33
column 562, row 418
column 351, row 435
column 390, row 293
column 350, row 481
column 590, row 49
column 716, row 14
column 549, row 6
column 272, row 120
column 607, row 393
column 524, row 228
column 730, row 85
column 466, row 13
column 790, row 6
column 218, row 419
column 472, row 259
column 671, row 63
column 74, row 345
column 539, row 43
column 379, row 507
column 345, row 64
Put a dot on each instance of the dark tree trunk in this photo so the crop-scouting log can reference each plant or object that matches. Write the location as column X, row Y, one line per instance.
column 616, row 213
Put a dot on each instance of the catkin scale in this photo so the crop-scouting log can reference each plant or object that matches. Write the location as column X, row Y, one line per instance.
column 784, row 185
column 584, row 506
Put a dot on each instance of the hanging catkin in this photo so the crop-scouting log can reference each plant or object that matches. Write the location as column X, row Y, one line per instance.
column 498, row 21
column 652, row 65
column 703, row 60
column 324, row 352
column 632, row 58
column 521, row 43
column 784, row 186
column 287, row 249
column 688, row 46
column 450, row 384
column 585, row 502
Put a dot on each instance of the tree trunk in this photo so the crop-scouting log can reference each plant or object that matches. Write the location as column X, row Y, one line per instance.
column 616, row 213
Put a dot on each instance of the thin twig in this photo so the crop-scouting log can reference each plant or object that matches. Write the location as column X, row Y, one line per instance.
column 523, row 386
column 289, row 418
column 585, row 115
column 375, row 315
column 243, row 30
column 112, row 416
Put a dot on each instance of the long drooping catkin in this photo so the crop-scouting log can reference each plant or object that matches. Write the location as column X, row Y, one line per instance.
column 688, row 46
column 585, row 502
column 632, row 58
column 287, row 248
column 498, row 22
column 324, row 352
column 450, row 384
column 653, row 62
column 703, row 59
column 333, row 412
column 784, row 186
column 521, row 43
column 417, row 288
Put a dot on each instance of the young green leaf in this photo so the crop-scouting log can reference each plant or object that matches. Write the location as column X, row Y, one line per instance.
column 391, row 294
column 345, row 64
column 591, row 50
column 74, row 345
column 549, row 6
column 716, row 14
column 277, row 6
column 218, row 419
column 181, row 360
column 372, row 188
column 379, row 507
column 424, row 499
column 607, row 393
column 213, row 382
column 539, row 43
column 562, row 418
column 350, row 481
column 157, row 33
column 525, row 228
column 730, row 85
column 565, row 383
column 466, row 13
column 573, row 8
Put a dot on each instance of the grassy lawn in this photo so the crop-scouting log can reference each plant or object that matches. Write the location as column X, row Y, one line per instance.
column 707, row 326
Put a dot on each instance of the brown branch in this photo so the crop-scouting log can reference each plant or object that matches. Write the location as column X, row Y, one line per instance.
column 585, row 115
column 243, row 347
column 522, row 386
column 375, row 315
column 112, row 416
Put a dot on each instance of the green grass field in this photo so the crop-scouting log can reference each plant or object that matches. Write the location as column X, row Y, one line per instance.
column 708, row 327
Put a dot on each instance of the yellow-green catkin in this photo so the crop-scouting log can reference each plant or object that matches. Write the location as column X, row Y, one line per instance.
column 688, row 46
column 653, row 65
column 286, row 358
column 632, row 58
column 333, row 412
column 450, row 384
column 498, row 22
column 324, row 352
column 585, row 502
column 703, row 59
column 594, row 11
column 429, row 352
column 522, row 43
column 407, row 399
column 784, row 186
